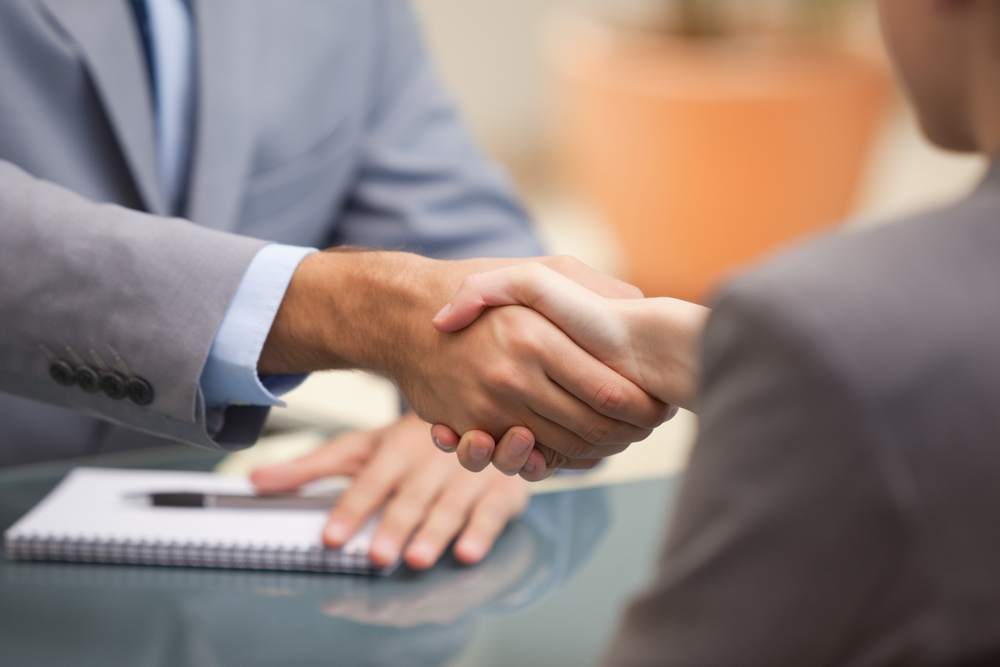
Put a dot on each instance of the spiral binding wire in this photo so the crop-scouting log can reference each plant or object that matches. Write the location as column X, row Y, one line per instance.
column 184, row 554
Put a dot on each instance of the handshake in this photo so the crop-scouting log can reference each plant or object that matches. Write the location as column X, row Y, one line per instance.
column 532, row 365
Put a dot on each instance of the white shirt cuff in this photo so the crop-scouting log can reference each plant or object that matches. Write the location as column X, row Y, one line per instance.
column 230, row 373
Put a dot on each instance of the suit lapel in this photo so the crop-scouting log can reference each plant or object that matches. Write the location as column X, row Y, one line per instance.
column 106, row 33
column 224, row 135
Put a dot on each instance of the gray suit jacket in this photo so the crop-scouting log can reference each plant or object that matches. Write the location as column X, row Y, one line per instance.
column 841, row 503
column 318, row 123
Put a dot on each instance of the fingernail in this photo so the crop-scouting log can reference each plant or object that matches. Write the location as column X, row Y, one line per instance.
column 518, row 445
column 528, row 467
column 478, row 452
column 385, row 549
column 336, row 532
column 437, row 443
column 470, row 549
column 421, row 552
column 443, row 312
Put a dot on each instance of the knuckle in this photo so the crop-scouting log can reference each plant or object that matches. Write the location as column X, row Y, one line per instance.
column 502, row 377
column 601, row 433
column 528, row 341
column 564, row 262
column 554, row 459
column 609, row 397
column 577, row 449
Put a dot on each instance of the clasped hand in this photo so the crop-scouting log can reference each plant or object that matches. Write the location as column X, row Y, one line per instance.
column 373, row 310
column 652, row 342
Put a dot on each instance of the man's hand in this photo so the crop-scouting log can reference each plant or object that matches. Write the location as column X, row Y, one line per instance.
column 653, row 342
column 430, row 497
column 373, row 310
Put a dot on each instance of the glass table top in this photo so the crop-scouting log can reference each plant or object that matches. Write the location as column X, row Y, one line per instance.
column 550, row 593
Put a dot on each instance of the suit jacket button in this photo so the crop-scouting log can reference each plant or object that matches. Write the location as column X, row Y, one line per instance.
column 140, row 391
column 87, row 378
column 114, row 384
column 62, row 373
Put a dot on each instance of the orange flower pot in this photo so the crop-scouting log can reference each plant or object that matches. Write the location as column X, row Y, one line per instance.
column 707, row 155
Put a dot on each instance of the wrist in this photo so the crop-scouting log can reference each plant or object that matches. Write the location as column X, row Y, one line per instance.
column 665, row 337
column 348, row 309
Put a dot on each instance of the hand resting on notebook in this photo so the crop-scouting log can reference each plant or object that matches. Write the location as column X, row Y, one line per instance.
column 430, row 496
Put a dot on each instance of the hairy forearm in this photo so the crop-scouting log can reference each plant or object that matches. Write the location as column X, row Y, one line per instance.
column 374, row 311
column 348, row 309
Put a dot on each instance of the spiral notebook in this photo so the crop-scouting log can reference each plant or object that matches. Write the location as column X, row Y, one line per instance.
column 91, row 516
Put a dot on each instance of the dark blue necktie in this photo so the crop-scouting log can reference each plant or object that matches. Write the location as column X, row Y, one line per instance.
column 142, row 20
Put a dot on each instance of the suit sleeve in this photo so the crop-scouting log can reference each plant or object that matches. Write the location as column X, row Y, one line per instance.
column 421, row 184
column 785, row 544
column 115, row 291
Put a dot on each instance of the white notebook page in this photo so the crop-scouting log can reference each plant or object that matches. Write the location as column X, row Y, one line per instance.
column 90, row 504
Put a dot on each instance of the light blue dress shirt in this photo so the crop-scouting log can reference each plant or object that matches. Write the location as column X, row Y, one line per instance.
column 230, row 374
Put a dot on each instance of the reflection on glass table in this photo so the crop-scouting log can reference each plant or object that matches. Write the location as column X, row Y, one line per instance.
column 80, row 614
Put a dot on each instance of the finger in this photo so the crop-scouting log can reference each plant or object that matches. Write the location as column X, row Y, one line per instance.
column 569, row 450
column 567, row 303
column 444, row 438
column 598, row 390
column 511, row 453
column 342, row 455
column 543, row 462
column 371, row 487
column 515, row 285
column 502, row 503
column 603, row 390
column 408, row 508
column 475, row 450
column 592, row 279
column 575, row 426
column 535, row 468
column 445, row 519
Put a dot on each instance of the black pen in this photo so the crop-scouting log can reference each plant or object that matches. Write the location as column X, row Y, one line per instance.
column 282, row 501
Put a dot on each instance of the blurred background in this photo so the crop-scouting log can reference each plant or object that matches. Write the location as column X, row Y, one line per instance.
column 670, row 142
column 519, row 71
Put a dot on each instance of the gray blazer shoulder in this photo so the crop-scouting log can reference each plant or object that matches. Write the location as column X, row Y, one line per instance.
column 838, row 503
column 317, row 124
column 111, row 288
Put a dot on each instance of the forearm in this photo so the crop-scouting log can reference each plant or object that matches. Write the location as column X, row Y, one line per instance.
column 374, row 311
column 344, row 309
column 106, row 289
column 665, row 339
column 369, row 310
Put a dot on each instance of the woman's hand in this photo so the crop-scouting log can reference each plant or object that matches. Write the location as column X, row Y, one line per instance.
column 430, row 497
column 653, row 342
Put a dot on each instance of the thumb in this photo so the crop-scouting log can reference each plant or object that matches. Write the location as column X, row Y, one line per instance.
column 340, row 456
column 510, row 286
